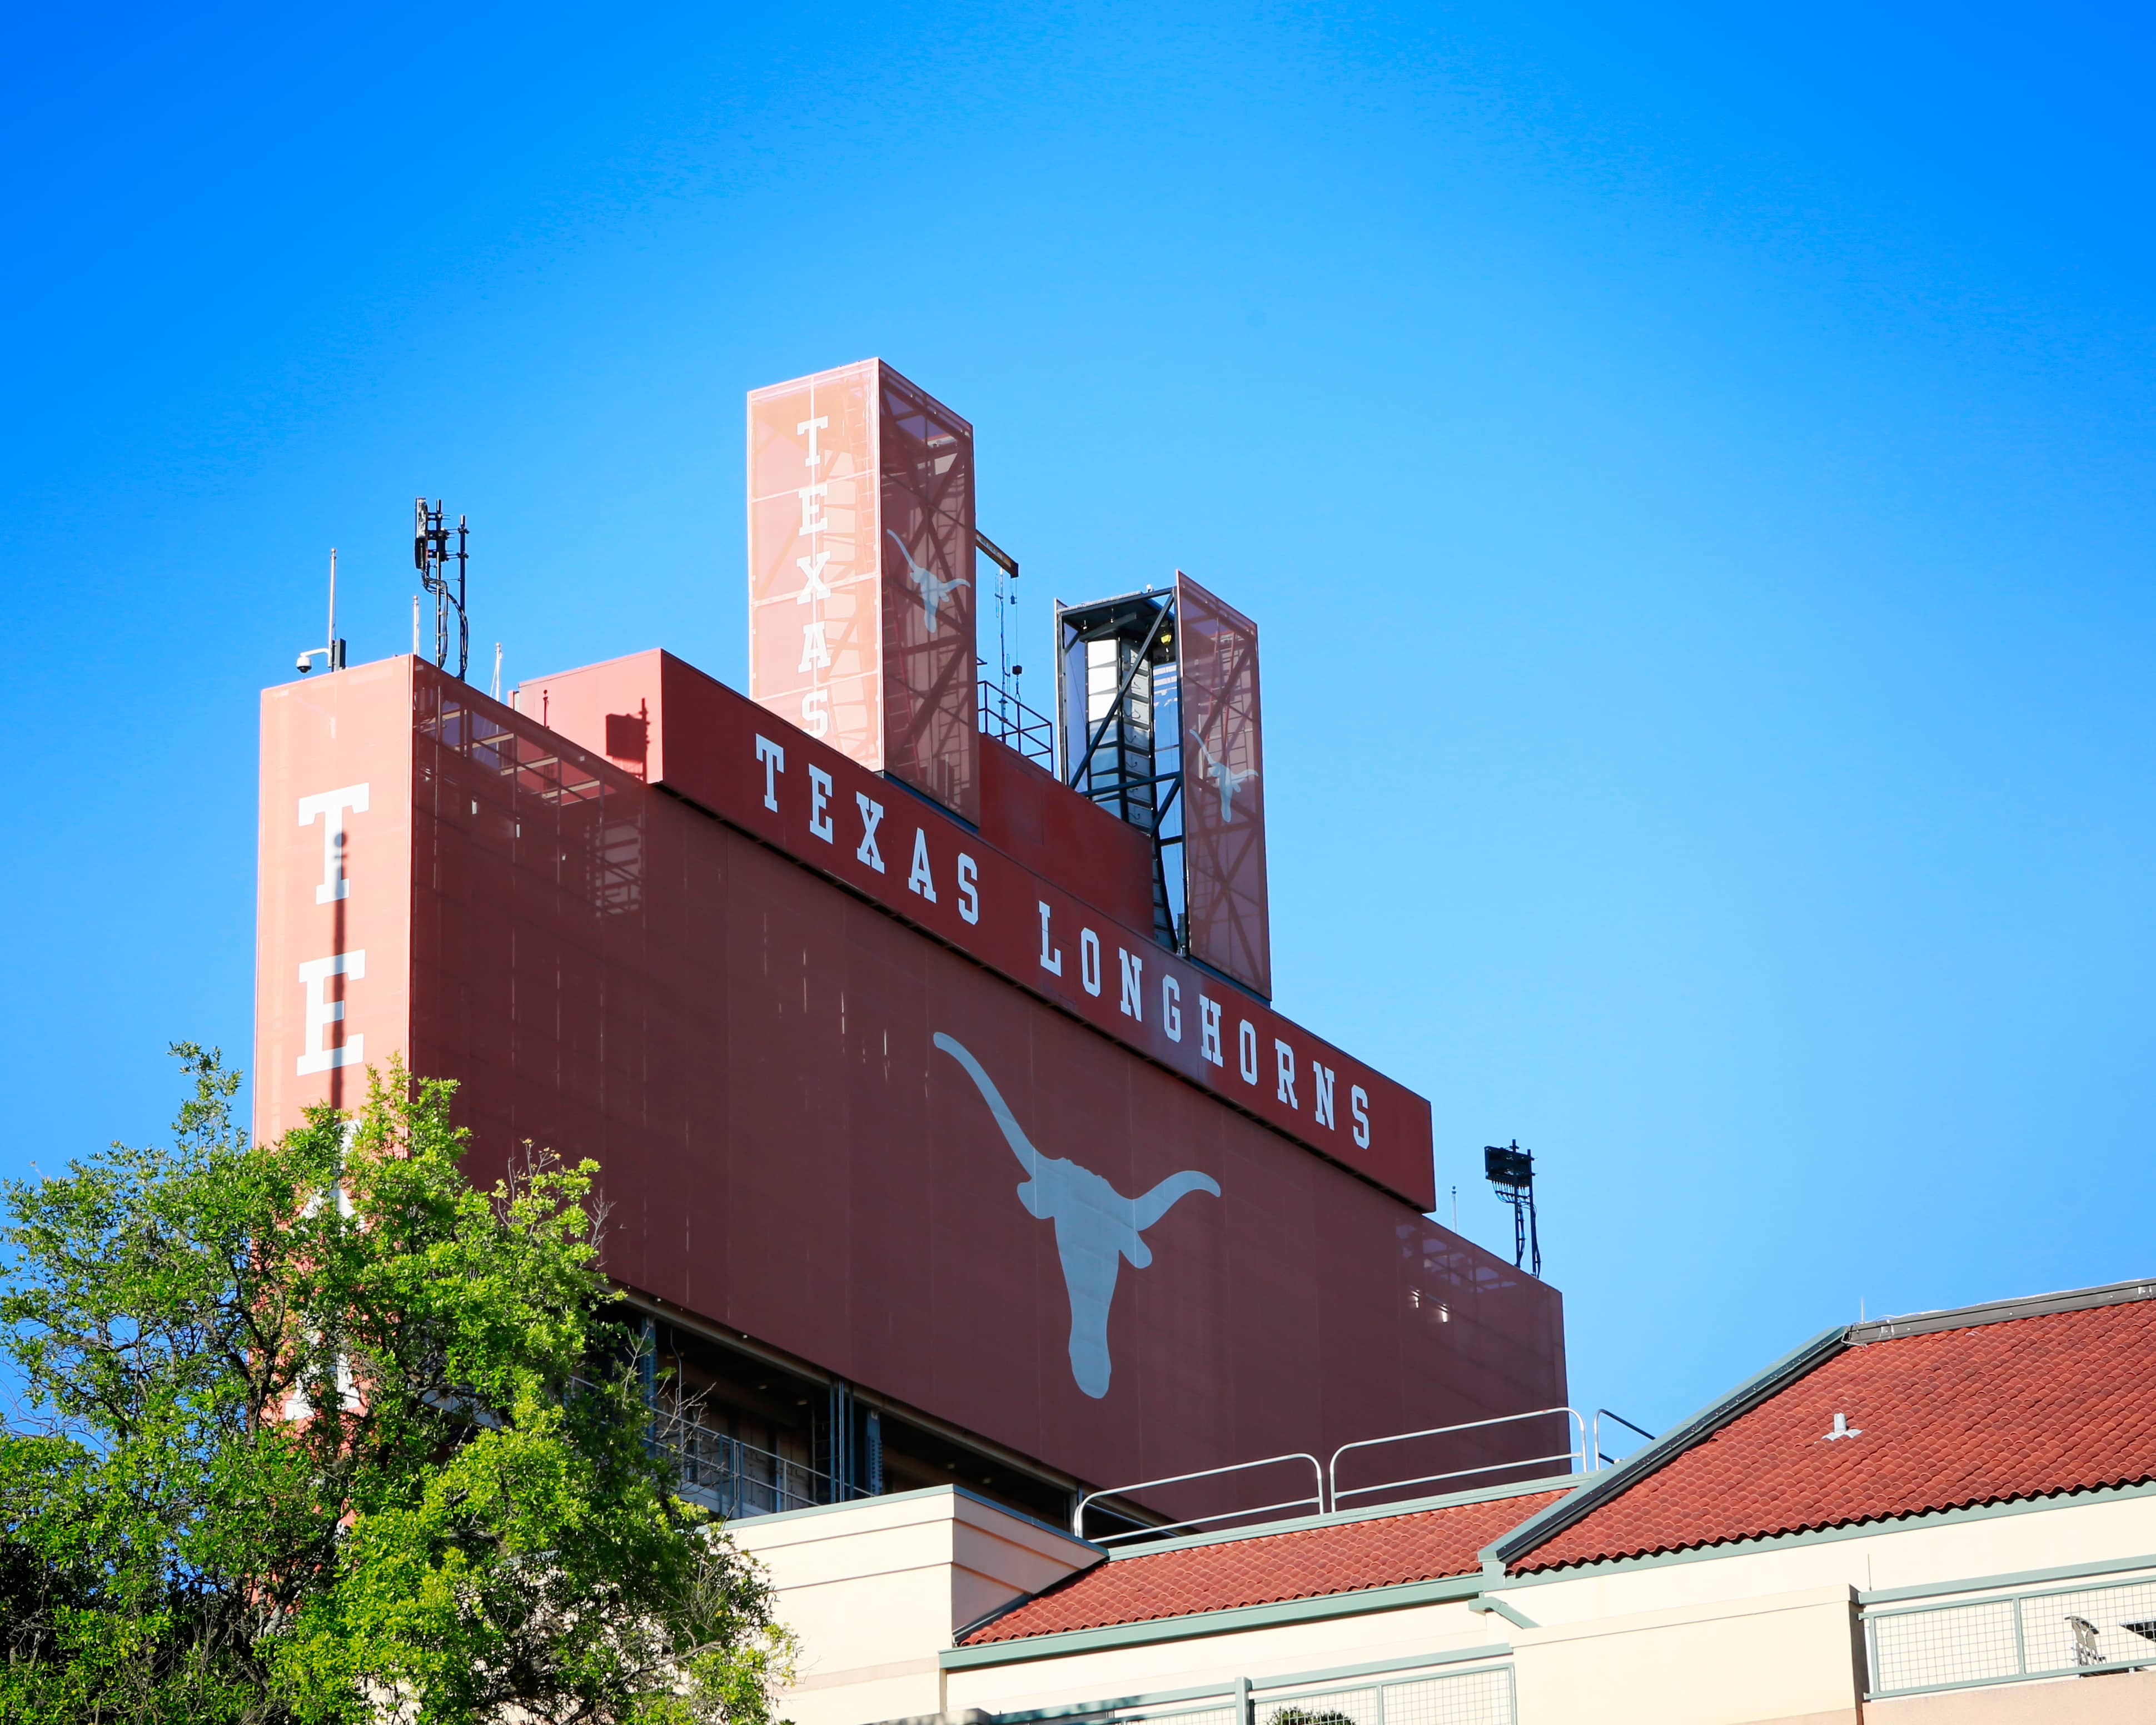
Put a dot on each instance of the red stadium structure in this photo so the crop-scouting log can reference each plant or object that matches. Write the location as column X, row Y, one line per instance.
column 947, row 1129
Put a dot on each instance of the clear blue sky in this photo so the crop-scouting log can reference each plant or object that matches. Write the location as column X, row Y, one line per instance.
column 1693, row 469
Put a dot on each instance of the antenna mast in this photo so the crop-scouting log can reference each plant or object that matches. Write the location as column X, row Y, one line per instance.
column 332, row 654
column 431, row 556
column 1512, row 1173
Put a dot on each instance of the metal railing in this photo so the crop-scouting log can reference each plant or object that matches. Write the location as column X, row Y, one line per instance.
column 1576, row 1458
column 1482, row 1697
column 738, row 1480
column 1600, row 1454
column 1003, row 716
column 1582, row 1456
column 1470, row 1686
column 1316, row 1501
column 2012, row 1637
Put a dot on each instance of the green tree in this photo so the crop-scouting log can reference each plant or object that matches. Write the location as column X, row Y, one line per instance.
column 316, row 1431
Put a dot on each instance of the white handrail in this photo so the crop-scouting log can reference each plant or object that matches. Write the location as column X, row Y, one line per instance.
column 1578, row 1456
column 1078, row 1514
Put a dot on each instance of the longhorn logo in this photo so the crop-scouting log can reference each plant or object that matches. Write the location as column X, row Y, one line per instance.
column 1096, row 1227
column 1222, row 774
column 933, row 589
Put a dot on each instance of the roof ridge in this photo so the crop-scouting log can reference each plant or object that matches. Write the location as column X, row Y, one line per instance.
column 1996, row 1312
column 1546, row 1523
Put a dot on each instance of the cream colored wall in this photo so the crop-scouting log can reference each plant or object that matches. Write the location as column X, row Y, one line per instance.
column 1197, row 1662
column 1734, row 1662
column 1727, row 1600
column 1899, row 1554
column 874, row 1590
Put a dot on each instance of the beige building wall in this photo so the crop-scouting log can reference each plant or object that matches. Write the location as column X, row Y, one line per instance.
column 1768, row 1635
column 2054, row 1534
column 1771, row 1634
column 1782, row 1656
column 875, row 1589
column 1198, row 1659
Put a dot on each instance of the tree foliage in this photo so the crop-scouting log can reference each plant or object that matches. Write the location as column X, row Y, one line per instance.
column 316, row 1431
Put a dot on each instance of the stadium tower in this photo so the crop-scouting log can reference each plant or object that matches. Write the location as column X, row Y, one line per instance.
column 948, row 1130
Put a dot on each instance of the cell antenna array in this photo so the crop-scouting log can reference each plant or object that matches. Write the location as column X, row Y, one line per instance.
column 431, row 556
column 1512, row 1171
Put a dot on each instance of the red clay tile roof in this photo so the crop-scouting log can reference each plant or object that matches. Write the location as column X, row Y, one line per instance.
column 1304, row 1564
column 2018, row 1409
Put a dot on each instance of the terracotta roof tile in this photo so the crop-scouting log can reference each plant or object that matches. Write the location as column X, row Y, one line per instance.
column 2021, row 1407
column 1304, row 1563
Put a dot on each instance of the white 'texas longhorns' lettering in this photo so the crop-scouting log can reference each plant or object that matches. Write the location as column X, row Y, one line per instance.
column 1133, row 974
column 332, row 806
column 1301, row 1082
column 871, row 814
column 1320, row 1081
column 1096, row 1227
column 923, row 880
column 819, row 797
column 773, row 757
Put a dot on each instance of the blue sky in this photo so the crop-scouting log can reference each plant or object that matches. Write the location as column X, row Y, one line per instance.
column 1692, row 471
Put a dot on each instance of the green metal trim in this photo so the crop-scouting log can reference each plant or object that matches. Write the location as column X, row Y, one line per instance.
column 1247, row 1686
column 1209, row 1704
column 2053, row 1676
column 1090, row 1709
column 1821, row 1536
column 1382, row 1667
column 1995, row 1311
column 1601, row 1487
column 2019, row 1578
column 953, row 1490
column 1512, row 1613
column 1342, row 1517
column 1445, row 1590
column 2079, row 1580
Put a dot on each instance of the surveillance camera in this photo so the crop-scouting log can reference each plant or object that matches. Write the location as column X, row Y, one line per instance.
column 306, row 663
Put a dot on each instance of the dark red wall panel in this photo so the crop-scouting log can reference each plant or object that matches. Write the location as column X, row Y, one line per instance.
column 748, row 1052
column 1055, row 922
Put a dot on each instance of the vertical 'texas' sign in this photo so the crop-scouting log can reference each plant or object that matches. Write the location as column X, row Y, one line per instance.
column 1223, row 794
column 860, row 548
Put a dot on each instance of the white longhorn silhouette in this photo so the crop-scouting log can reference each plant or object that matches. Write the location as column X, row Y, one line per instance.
column 1222, row 774
column 1096, row 1227
column 933, row 587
